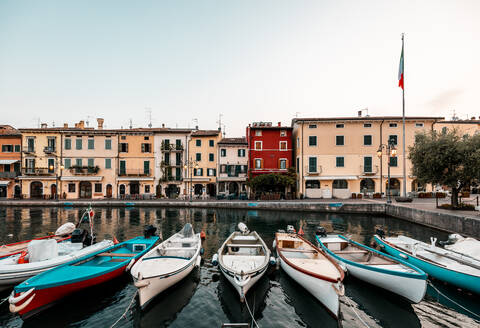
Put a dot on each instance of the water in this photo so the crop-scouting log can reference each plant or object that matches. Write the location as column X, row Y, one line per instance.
column 205, row 299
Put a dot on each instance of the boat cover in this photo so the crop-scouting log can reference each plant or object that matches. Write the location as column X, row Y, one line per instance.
column 41, row 250
column 468, row 246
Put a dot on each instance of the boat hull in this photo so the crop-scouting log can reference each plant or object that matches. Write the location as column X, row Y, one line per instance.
column 243, row 289
column 324, row 291
column 456, row 278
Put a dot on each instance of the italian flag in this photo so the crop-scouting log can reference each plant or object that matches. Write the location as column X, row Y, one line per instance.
column 400, row 71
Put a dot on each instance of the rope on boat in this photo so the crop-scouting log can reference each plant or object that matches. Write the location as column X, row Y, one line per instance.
column 461, row 306
column 4, row 300
column 124, row 315
column 248, row 308
column 356, row 313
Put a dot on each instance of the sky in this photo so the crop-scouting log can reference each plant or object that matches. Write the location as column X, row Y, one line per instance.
column 252, row 60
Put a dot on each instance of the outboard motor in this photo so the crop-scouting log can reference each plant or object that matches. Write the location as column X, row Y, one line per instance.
column 80, row 235
column 380, row 232
column 290, row 229
column 149, row 231
column 243, row 228
column 321, row 232
column 452, row 239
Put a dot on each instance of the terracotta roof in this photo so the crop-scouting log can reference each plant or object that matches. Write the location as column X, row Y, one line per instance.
column 367, row 118
column 8, row 130
column 461, row 122
column 90, row 130
column 205, row 133
column 233, row 141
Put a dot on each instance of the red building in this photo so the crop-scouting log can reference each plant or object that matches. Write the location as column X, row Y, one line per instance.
column 269, row 148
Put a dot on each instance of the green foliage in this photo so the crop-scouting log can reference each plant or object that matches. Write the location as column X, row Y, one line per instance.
column 273, row 181
column 446, row 159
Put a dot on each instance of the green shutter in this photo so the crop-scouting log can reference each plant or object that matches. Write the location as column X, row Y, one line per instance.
column 146, row 167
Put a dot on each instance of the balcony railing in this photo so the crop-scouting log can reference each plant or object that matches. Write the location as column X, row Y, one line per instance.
column 84, row 170
column 37, row 171
column 368, row 170
column 28, row 150
column 49, row 149
column 171, row 178
column 10, row 175
column 175, row 164
column 317, row 172
column 134, row 173
column 171, row 147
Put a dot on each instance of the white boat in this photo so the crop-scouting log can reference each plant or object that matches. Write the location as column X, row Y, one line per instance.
column 376, row 268
column 465, row 246
column 167, row 264
column 312, row 268
column 243, row 259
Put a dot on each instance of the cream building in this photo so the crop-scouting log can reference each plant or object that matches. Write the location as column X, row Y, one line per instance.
column 338, row 156
column 232, row 167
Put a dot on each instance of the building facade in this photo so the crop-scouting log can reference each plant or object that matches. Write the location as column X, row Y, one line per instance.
column 232, row 167
column 340, row 156
column 10, row 160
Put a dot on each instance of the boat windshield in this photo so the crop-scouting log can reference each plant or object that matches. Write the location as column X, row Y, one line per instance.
column 187, row 231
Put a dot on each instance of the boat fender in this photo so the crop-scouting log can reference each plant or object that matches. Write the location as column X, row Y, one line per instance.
column 142, row 283
column 215, row 259
column 403, row 256
column 198, row 262
column 300, row 231
column 21, row 258
column 202, row 251
column 203, row 235
column 129, row 266
column 14, row 300
column 273, row 260
column 343, row 266
column 15, row 309
column 243, row 228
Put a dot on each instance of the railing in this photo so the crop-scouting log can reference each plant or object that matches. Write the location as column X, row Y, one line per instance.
column 28, row 149
column 49, row 149
column 307, row 170
column 368, row 170
column 134, row 173
column 171, row 178
column 9, row 174
column 171, row 147
column 84, row 170
column 37, row 171
column 165, row 164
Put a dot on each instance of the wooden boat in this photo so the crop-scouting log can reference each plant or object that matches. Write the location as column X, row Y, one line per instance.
column 167, row 264
column 456, row 269
column 44, row 290
column 62, row 233
column 243, row 259
column 312, row 268
column 378, row 269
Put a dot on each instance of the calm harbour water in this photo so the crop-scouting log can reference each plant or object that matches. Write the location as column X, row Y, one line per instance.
column 205, row 299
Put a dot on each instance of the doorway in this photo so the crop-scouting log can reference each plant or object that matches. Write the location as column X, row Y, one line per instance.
column 36, row 189
column 53, row 191
column 134, row 188
column 109, row 191
column 85, row 189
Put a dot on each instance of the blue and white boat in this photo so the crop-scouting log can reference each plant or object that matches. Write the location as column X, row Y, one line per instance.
column 457, row 269
column 376, row 268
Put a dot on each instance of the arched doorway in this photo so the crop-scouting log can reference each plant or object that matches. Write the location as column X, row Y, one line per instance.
column 233, row 188
column 109, row 191
column 53, row 191
column 198, row 189
column 367, row 186
column 122, row 191
column 17, row 192
column 340, row 189
column 134, row 188
column 3, row 190
column 85, row 189
column 172, row 191
column 36, row 189
column 394, row 188
column 417, row 186
column 211, row 190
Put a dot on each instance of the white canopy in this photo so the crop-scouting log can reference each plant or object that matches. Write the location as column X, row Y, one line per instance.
column 8, row 161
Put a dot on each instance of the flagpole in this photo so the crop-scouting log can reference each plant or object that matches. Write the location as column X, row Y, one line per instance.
column 403, row 121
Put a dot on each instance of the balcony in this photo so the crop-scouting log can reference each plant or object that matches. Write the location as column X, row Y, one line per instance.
column 84, row 170
column 368, row 170
column 9, row 175
column 171, row 178
column 134, row 173
column 28, row 150
column 317, row 172
column 37, row 171
column 171, row 147
column 49, row 149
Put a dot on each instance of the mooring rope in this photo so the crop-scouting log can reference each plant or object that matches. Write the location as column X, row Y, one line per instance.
column 448, row 298
column 248, row 308
column 124, row 315
column 354, row 311
column 4, row 300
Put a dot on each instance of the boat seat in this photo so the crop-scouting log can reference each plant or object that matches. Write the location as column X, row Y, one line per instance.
column 118, row 254
column 351, row 252
column 245, row 245
column 297, row 250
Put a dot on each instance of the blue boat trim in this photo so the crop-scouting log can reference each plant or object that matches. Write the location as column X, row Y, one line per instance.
column 420, row 274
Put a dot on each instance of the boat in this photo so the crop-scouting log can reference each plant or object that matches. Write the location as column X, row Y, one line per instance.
column 454, row 268
column 62, row 233
column 243, row 259
column 44, row 290
column 312, row 268
column 372, row 266
column 465, row 246
column 166, row 264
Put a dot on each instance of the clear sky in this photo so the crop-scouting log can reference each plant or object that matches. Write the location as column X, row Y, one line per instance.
column 250, row 60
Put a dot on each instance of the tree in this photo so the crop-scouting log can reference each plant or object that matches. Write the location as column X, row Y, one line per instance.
column 272, row 181
column 447, row 159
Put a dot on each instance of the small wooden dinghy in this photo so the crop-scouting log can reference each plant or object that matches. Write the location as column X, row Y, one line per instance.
column 312, row 268
column 44, row 290
column 456, row 269
column 243, row 259
column 167, row 264
column 376, row 268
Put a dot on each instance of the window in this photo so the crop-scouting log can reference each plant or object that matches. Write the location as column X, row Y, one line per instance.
column 123, row 137
column 67, row 162
column 241, row 153
column 147, row 187
column 312, row 126
column 340, row 161
column 98, row 187
column 312, row 140
column 178, row 144
column 312, row 165
column 367, row 125
column 198, row 172
column 78, row 162
column 223, row 168
column 166, row 158
column 444, row 130
column 71, row 187
column 340, row 140
column 51, row 165
column 392, row 125
column 298, row 142
column 198, row 157
column 31, row 144
column 211, row 172
column 146, row 167
column 340, row 184
column 146, row 148
column 394, row 161
column 419, row 125
column 7, row 148
column 367, row 164
column 198, row 143
column 258, row 163
column 367, row 140
column 312, row 184
column 178, row 159
column 91, row 162
column 146, row 138
column 108, row 163
column 91, row 143
column 283, row 133
column 283, row 164
column 123, row 167
column 68, row 143
column 223, row 152
column 211, row 158
column 283, row 145
column 340, row 126
column 78, row 143
column 17, row 148
column 123, row 148
column 258, row 133
column 258, row 145
column 108, row 144
column 298, row 164
column 393, row 138
column 211, row 143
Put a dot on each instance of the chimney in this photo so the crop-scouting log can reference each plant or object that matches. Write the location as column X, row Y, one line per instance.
column 472, row 118
column 359, row 113
column 100, row 123
column 163, row 125
column 196, row 127
column 43, row 125
column 65, row 125
column 81, row 124
column 279, row 123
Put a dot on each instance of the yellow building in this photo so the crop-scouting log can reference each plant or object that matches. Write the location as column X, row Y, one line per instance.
column 338, row 156
column 201, row 167
column 463, row 127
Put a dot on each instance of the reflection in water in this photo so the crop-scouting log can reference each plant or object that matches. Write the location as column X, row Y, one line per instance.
column 279, row 301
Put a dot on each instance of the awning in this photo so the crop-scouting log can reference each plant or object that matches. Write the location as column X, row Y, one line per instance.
column 4, row 183
column 227, row 179
column 36, row 177
column 8, row 161
column 333, row 177
column 80, row 178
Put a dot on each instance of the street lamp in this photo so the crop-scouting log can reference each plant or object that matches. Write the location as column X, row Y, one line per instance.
column 51, row 168
column 392, row 152
column 191, row 165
